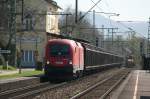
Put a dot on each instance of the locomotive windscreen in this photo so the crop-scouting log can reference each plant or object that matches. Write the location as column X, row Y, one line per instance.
column 59, row 50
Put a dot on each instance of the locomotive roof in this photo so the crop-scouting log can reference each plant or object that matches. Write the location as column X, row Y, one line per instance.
column 66, row 37
column 61, row 40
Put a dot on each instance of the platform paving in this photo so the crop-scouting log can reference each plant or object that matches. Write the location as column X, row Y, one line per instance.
column 136, row 86
column 13, row 83
column 7, row 72
column 10, row 72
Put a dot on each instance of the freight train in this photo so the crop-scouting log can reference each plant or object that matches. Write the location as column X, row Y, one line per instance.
column 65, row 58
column 130, row 62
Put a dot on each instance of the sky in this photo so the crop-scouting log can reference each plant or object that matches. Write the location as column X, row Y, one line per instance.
column 129, row 10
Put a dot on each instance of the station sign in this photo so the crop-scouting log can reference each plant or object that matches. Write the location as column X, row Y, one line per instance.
column 5, row 51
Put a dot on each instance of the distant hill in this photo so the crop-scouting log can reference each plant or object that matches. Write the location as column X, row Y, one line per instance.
column 140, row 27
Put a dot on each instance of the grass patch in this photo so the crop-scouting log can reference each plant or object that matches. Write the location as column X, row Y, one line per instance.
column 7, row 68
column 23, row 74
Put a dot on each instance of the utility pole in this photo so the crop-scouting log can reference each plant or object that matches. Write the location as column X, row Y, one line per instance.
column 76, row 12
column 94, row 21
column 112, row 35
column 12, row 29
column 66, row 19
column 22, row 8
column 67, row 22
column 148, row 43
column 102, row 36
column 97, row 38
column 110, row 30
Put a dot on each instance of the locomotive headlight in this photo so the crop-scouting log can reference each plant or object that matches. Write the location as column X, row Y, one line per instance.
column 47, row 62
column 70, row 62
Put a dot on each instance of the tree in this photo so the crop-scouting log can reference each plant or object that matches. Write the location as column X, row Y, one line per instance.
column 5, row 34
column 68, row 26
column 134, row 45
column 3, row 24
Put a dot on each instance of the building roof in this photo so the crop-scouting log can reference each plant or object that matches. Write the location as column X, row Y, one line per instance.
column 53, row 3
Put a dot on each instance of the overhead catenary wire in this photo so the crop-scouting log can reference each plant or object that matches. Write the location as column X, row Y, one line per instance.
column 88, row 11
column 97, row 5
column 131, row 29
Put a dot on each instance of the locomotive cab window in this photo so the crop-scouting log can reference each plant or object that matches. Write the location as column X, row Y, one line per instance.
column 59, row 50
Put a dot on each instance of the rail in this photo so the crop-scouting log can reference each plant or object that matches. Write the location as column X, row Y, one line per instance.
column 29, row 90
column 104, row 95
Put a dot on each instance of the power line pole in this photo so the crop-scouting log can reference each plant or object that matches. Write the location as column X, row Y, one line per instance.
column 102, row 36
column 148, row 43
column 67, row 23
column 96, row 39
column 12, row 29
column 109, row 30
column 89, row 10
column 113, row 35
column 94, row 21
column 22, row 8
column 76, row 12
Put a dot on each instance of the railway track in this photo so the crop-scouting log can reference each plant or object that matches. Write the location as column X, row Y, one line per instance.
column 70, row 89
column 16, row 83
column 64, row 90
column 102, row 89
column 27, row 91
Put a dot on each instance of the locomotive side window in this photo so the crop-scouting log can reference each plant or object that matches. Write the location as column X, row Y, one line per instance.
column 59, row 50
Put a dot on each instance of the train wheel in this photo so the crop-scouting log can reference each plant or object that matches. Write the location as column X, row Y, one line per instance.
column 77, row 74
column 81, row 73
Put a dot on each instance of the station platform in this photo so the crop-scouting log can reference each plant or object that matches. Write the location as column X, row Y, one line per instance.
column 14, row 83
column 8, row 72
column 11, row 72
column 135, row 86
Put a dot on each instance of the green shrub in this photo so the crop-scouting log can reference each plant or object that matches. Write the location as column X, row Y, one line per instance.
column 7, row 67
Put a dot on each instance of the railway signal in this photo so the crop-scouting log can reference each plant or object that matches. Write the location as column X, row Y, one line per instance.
column 97, row 41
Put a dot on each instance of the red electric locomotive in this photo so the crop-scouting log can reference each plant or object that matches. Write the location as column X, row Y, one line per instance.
column 63, row 59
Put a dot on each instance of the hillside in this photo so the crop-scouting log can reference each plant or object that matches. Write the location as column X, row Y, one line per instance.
column 140, row 27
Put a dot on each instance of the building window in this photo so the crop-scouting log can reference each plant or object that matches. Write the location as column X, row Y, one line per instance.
column 28, row 56
column 31, row 56
column 28, row 21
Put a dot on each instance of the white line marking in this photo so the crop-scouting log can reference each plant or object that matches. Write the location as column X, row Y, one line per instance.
column 136, row 85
